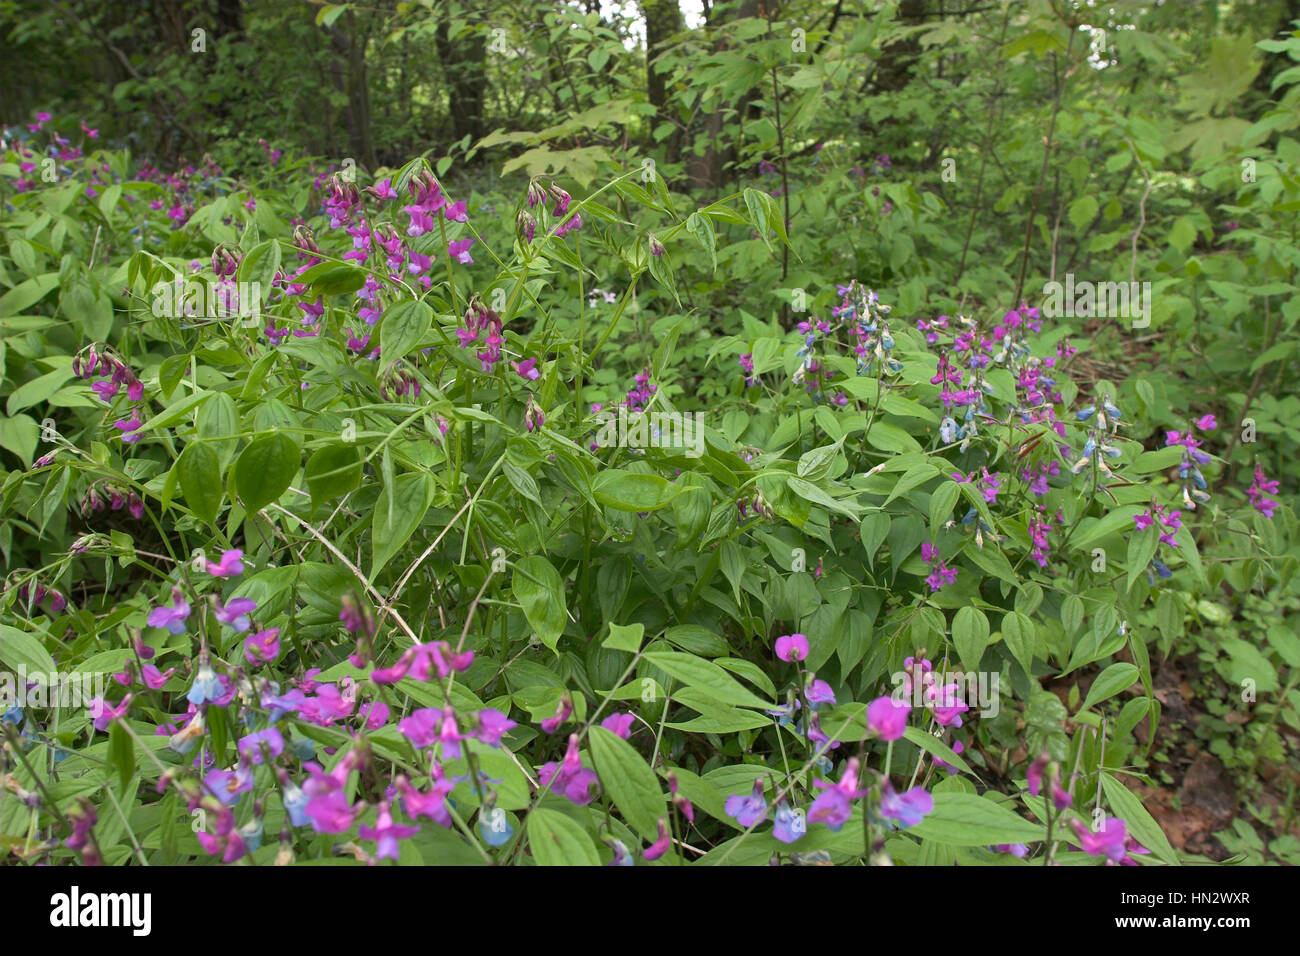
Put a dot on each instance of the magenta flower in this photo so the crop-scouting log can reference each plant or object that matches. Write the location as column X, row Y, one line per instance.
column 1260, row 487
column 330, row 812
column 1111, row 841
column 373, row 715
column 459, row 250
column 905, row 809
column 945, row 704
column 792, row 647
column 562, row 711
column 105, row 713
column 657, row 849
column 579, row 784
column 263, row 647
column 456, row 212
column 527, row 369
column 386, row 833
column 419, row 728
column 432, row 804
column 230, row 564
column 620, row 724
column 748, row 809
column 153, row 678
column 887, row 718
column 1206, row 423
column 1034, row 775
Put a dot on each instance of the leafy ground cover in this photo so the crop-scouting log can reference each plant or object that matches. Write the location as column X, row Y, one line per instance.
column 544, row 510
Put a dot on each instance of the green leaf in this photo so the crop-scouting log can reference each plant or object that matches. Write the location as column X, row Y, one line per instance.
column 707, row 677
column 970, row 633
column 1111, row 681
column 629, row 491
column 121, row 753
column 963, row 819
column 556, row 840
column 1020, row 636
column 628, row 780
column 404, row 326
column 941, row 504
column 199, row 472
column 19, row 648
column 521, row 481
column 540, row 592
column 264, row 470
column 398, row 512
column 1141, row 549
column 624, row 638
column 1137, row 820
column 332, row 472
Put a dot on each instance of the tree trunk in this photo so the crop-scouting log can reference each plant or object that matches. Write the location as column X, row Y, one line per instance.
column 464, row 62
column 663, row 18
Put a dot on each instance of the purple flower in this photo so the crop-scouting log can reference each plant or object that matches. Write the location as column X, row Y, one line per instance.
column 788, row 825
column 386, row 833
column 173, row 618
column 456, row 212
column 250, row 746
column 492, row 726
column 230, row 564
column 792, row 647
column 527, row 369
column 905, row 809
column 834, row 804
column 229, row 784
column 128, row 427
column 620, row 724
column 887, row 718
column 748, row 810
column 235, row 613
column 819, row 692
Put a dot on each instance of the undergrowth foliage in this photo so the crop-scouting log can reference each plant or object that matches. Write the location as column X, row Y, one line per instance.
column 387, row 525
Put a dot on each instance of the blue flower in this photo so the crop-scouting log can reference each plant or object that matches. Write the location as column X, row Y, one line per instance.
column 206, row 686
column 790, row 825
column 494, row 826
